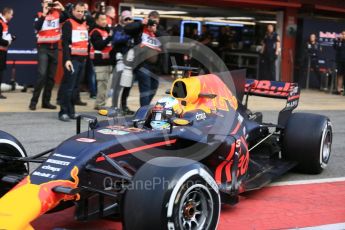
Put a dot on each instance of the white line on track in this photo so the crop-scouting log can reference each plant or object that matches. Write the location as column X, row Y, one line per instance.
column 338, row 226
column 301, row 182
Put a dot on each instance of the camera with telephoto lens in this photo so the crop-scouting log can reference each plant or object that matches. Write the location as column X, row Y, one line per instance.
column 69, row 7
column 87, row 14
column 51, row 4
column 151, row 22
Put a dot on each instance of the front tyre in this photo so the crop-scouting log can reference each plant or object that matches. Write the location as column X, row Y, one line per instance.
column 187, row 197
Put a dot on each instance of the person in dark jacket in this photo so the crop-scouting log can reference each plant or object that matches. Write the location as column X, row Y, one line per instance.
column 270, row 53
column 146, row 34
column 312, row 55
column 75, row 43
column 47, row 26
column 5, row 41
column 339, row 46
column 101, row 54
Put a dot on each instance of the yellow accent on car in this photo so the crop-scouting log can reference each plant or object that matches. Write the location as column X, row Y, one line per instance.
column 181, row 122
column 103, row 112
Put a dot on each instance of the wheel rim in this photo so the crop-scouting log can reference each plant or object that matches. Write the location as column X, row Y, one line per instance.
column 196, row 208
column 325, row 147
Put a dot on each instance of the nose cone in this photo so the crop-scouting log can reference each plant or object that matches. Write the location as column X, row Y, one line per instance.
column 26, row 202
column 20, row 206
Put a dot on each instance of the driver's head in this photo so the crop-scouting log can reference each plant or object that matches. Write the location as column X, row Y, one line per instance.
column 165, row 109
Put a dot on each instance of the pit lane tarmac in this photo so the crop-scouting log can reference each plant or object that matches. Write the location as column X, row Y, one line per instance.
column 276, row 207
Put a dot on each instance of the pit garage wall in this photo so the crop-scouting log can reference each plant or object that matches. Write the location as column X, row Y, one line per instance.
column 288, row 44
column 326, row 31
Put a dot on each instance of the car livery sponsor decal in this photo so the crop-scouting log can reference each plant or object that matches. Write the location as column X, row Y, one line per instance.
column 41, row 174
column 63, row 156
column 86, row 140
column 126, row 129
column 51, row 168
column 200, row 116
column 269, row 88
column 58, row 162
column 112, row 132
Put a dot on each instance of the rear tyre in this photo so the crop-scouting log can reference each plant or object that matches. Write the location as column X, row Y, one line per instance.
column 307, row 140
column 184, row 197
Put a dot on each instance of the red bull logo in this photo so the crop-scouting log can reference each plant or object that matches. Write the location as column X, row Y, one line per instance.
column 207, row 84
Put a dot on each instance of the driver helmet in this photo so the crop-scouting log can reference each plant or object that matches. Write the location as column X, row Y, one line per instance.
column 165, row 109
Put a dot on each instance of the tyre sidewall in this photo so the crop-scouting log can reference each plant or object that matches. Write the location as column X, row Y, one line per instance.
column 302, row 141
column 153, row 210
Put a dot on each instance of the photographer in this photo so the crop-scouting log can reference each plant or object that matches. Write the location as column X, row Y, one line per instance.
column 122, row 43
column 47, row 25
column 101, row 56
column 111, row 14
column 88, row 17
column 99, row 8
column 5, row 41
column 75, row 43
column 147, row 55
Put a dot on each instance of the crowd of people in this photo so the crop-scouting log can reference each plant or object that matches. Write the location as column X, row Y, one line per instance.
column 92, row 43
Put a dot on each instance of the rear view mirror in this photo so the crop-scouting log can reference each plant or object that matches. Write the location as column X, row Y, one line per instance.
column 92, row 121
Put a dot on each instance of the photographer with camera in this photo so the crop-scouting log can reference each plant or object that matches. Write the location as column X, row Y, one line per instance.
column 146, row 35
column 99, row 8
column 122, row 43
column 47, row 27
column 5, row 41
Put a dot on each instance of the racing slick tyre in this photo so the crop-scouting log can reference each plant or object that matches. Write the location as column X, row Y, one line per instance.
column 168, row 197
column 10, row 146
column 307, row 140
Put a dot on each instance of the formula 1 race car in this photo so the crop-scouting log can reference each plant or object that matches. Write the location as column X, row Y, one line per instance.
column 173, row 164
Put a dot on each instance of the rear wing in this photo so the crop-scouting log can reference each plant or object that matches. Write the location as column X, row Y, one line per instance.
column 275, row 89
